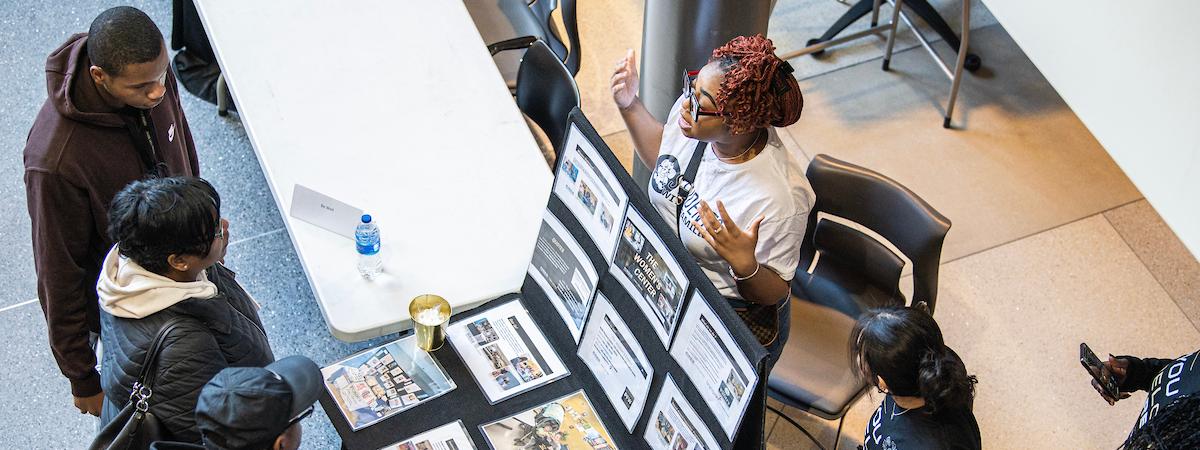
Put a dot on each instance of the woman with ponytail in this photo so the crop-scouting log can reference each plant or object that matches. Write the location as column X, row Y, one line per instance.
column 929, row 393
column 723, row 180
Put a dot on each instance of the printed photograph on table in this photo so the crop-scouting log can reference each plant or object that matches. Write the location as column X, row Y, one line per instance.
column 591, row 191
column 451, row 436
column 564, row 272
column 646, row 269
column 568, row 423
column 616, row 359
column 505, row 351
column 714, row 364
column 380, row 382
column 674, row 424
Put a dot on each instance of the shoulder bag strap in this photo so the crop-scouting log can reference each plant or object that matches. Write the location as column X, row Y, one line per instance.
column 689, row 175
column 150, row 365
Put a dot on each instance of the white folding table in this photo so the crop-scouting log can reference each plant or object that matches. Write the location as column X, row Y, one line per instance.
column 396, row 107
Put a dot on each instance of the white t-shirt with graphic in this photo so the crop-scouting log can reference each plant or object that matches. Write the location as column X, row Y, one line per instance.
column 772, row 185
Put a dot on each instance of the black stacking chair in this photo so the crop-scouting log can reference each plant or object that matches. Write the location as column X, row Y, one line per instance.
column 853, row 272
column 508, row 26
column 546, row 92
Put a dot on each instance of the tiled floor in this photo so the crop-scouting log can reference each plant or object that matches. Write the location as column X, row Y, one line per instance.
column 1051, row 244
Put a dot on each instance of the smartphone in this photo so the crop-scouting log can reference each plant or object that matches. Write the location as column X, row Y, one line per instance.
column 1099, row 371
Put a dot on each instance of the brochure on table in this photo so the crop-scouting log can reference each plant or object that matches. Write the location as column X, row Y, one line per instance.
column 567, row 423
column 674, row 424
column 505, row 351
column 380, row 382
column 451, row 436
column 616, row 358
column 564, row 272
column 591, row 191
column 647, row 269
column 710, row 357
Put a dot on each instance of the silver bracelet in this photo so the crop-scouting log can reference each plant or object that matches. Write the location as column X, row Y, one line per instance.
column 747, row 277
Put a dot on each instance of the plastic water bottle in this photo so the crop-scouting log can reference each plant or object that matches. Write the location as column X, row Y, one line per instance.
column 366, row 241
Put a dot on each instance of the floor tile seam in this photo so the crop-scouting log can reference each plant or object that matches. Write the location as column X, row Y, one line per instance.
column 1152, row 273
column 895, row 52
column 18, row 305
column 257, row 236
column 1044, row 230
column 237, row 242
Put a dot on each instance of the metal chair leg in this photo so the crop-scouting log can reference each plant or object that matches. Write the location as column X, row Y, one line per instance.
column 891, row 42
column 802, row 430
column 875, row 13
column 958, row 65
column 222, row 96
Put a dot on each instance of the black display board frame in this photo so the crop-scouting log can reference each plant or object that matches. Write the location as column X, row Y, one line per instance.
column 468, row 403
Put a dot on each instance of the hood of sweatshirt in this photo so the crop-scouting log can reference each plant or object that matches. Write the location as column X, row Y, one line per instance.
column 127, row 290
column 70, row 88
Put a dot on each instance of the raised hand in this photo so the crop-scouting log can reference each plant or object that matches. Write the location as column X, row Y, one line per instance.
column 624, row 82
column 734, row 245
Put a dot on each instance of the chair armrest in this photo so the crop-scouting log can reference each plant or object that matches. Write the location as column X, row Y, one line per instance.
column 511, row 44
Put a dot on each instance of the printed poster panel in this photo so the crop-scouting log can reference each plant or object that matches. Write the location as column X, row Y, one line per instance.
column 568, row 423
column 564, row 272
column 710, row 357
column 645, row 267
column 674, row 424
column 591, row 191
column 380, row 382
column 505, row 351
column 616, row 358
column 451, row 436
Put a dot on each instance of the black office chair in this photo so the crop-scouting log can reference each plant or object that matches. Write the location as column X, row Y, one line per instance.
column 853, row 273
column 546, row 92
column 508, row 26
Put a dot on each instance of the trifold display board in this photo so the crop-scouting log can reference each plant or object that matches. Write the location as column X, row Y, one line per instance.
column 626, row 343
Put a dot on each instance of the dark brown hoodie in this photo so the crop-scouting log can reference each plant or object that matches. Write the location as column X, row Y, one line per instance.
column 79, row 154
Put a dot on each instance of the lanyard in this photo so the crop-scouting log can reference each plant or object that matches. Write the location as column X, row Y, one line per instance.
column 685, row 181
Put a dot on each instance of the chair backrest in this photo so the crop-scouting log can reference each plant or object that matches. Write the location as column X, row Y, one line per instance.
column 546, row 92
column 569, row 52
column 887, row 208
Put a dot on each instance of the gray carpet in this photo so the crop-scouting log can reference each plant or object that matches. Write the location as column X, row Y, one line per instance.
column 40, row 414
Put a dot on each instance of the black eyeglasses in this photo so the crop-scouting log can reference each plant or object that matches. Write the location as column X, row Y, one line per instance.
column 690, row 93
column 300, row 417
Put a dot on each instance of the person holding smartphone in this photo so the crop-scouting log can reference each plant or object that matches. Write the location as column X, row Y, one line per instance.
column 1171, row 415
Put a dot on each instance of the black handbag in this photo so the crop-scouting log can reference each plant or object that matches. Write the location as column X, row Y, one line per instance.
column 135, row 427
column 762, row 320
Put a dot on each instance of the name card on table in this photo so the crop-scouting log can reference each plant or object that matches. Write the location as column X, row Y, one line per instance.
column 324, row 211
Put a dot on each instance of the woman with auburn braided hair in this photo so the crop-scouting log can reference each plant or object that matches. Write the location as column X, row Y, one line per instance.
column 738, row 199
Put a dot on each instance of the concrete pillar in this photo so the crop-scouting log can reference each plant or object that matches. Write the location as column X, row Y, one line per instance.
column 681, row 34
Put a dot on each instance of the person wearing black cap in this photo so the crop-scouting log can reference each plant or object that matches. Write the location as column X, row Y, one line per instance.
column 253, row 408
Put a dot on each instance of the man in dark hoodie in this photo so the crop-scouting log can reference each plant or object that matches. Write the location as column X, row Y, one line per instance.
column 112, row 116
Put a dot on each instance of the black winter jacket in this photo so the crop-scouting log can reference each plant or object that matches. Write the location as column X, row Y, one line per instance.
column 223, row 331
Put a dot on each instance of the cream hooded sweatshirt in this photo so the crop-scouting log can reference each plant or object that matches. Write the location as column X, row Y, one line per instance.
column 127, row 290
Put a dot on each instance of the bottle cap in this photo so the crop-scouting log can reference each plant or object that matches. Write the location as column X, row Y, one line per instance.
column 366, row 218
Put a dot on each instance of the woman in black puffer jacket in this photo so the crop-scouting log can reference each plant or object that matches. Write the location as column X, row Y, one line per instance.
column 166, row 264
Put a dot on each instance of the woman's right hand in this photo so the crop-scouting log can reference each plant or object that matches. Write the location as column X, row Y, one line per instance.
column 1119, row 369
column 624, row 81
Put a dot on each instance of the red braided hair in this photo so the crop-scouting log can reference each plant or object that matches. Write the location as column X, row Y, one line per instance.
column 758, row 89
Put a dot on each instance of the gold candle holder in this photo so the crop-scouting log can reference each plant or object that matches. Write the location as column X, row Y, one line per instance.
column 429, row 315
